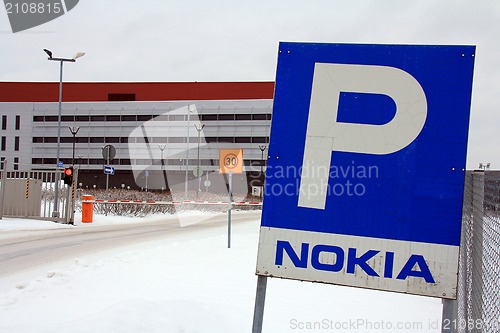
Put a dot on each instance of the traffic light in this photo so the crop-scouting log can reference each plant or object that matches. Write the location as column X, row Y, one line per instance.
column 68, row 176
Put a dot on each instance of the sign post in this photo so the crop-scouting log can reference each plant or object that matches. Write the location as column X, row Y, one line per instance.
column 230, row 161
column 108, row 153
column 371, row 193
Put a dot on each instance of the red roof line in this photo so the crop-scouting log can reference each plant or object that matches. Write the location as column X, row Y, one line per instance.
column 143, row 91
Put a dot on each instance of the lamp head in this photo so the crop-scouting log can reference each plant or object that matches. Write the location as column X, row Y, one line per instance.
column 78, row 55
column 49, row 53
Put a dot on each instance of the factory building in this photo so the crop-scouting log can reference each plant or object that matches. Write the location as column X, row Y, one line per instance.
column 155, row 134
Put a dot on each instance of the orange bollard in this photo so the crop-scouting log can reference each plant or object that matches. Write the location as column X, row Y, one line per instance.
column 87, row 209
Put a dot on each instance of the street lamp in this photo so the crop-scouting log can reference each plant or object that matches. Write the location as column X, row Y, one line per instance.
column 73, row 131
column 55, row 213
column 187, row 153
column 199, row 128
column 262, row 149
column 162, row 148
column 484, row 166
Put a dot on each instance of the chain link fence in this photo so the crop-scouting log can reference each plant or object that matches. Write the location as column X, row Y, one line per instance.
column 479, row 273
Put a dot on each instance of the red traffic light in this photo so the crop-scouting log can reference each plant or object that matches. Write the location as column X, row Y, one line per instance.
column 68, row 176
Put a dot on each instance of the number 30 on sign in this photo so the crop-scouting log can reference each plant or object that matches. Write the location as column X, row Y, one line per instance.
column 231, row 160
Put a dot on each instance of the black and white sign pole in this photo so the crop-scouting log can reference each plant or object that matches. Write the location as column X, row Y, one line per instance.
column 260, row 299
column 230, row 206
column 107, row 174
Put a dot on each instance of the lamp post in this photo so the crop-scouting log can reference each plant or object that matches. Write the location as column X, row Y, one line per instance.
column 74, row 130
column 262, row 149
column 484, row 166
column 80, row 161
column 55, row 213
column 162, row 148
column 199, row 128
column 187, row 154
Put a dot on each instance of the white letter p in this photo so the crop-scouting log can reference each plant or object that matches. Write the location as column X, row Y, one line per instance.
column 325, row 134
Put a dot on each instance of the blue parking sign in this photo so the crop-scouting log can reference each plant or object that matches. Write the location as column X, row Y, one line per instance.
column 365, row 175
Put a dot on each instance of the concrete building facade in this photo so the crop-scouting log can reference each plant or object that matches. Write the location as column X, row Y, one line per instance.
column 155, row 129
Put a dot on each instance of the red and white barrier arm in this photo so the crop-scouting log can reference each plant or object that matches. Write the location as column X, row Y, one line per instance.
column 185, row 202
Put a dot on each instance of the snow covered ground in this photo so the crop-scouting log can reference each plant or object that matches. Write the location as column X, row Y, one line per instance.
column 191, row 282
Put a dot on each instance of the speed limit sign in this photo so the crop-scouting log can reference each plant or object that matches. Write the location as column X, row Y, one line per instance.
column 231, row 160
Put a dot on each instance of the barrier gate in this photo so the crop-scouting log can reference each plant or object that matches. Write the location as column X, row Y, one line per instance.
column 31, row 194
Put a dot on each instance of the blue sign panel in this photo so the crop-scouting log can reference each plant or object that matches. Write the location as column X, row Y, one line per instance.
column 367, row 141
column 109, row 170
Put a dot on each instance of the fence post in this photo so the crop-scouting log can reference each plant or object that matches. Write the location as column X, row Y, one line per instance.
column 477, row 245
column 450, row 316
column 2, row 190
column 74, row 187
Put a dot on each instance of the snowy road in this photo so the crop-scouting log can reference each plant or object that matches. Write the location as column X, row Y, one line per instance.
column 29, row 250
column 174, row 274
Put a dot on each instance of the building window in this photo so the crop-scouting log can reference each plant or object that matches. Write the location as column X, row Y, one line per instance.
column 208, row 117
column 4, row 122
column 16, row 143
column 121, row 97
column 144, row 117
column 18, row 122
column 129, row 118
column 4, row 143
column 243, row 139
column 260, row 116
column 112, row 139
column 226, row 139
column 176, row 140
column 112, row 117
column 176, row 117
column 82, row 118
column 226, row 116
column 96, row 140
column 16, row 163
column 260, row 139
column 68, row 118
column 243, row 117
column 98, row 118
column 50, row 139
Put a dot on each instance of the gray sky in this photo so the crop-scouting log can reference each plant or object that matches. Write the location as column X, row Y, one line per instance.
column 234, row 40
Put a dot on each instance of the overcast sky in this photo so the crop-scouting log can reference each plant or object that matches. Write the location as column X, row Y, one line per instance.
column 235, row 40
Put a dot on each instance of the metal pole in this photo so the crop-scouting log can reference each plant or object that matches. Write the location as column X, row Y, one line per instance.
column 2, row 190
column 229, row 209
column 260, row 299
column 199, row 129
column 162, row 148
column 449, row 319
column 262, row 149
column 107, row 182
column 73, row 158
column 477, row 285
column 55, row 213
column 107, row 163
column 187, row 156
column 74, row 130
